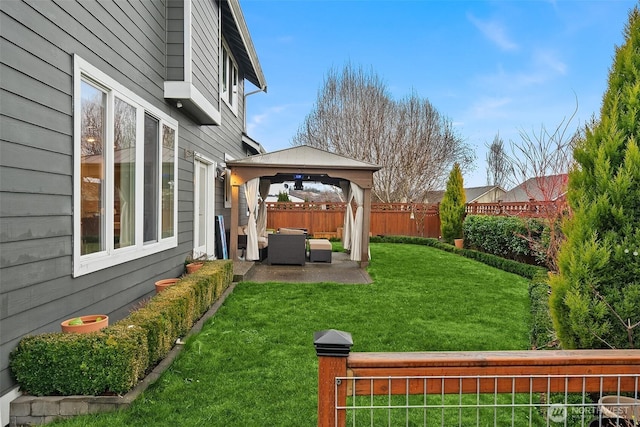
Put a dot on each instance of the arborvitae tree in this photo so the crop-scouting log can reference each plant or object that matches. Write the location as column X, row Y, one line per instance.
column 452, row 206
column 595, row 299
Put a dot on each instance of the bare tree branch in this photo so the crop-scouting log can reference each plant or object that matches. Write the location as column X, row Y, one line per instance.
column 416, row 146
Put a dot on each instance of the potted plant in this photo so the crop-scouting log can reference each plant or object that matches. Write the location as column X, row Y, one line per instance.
column 163, row 284
column 85, row 324
column 194, row 264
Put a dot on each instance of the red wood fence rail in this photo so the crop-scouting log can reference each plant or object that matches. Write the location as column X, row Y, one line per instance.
column 531, row 208
column 552, row 371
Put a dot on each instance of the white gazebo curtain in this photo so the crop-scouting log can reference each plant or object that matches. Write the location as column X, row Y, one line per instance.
column 348, row 216
column 251, row 194
column 356, row 233
column 262, row 209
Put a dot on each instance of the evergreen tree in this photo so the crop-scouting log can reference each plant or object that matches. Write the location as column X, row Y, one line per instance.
column 452, row 207
column 283, row 196
column 595, row 299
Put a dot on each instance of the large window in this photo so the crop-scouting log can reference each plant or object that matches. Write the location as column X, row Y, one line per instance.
column 125, row 173
column 229, row 80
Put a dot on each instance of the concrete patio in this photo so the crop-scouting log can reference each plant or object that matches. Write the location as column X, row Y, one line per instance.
column 340, row 270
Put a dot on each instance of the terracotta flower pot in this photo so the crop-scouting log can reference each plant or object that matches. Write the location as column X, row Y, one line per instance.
column 163, row 284
column 194, row 266
column 90, row 323
column 459, row 243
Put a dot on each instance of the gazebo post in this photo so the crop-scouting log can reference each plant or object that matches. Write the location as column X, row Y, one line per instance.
column 366, row 228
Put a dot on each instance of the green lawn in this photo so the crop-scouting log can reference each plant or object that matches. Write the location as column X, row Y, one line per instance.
column 254, row 363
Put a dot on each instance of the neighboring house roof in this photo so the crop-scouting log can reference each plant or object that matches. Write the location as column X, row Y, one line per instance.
column 317, row 196
column 471, row 194
column 312, row 192
column 545, row 188
column 474, row 193
column 434, row 196
column 237, row 35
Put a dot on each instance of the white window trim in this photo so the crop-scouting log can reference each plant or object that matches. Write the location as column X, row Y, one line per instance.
column 224, row 95
column 84, row 264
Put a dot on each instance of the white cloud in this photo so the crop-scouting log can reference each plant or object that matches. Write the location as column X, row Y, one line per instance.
column 490, row 108
column 547, row 60
column 256, row 120
column 544, row 67
column 495, row 32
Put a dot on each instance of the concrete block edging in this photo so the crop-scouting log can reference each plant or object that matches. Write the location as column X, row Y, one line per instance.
column 37, row 410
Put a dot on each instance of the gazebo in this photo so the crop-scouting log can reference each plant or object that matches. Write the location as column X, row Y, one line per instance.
column 302, row 163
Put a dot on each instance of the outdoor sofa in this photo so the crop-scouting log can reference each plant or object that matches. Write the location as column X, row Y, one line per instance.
column 288, row 246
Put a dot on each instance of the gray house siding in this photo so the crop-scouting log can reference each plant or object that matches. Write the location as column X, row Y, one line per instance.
column 205, row 48
column 175, row 40
column 136, row 45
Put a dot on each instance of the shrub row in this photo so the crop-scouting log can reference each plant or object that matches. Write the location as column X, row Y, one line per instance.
column 511, row 266
column 114, row 359
column 502, row 235
column 542, row 332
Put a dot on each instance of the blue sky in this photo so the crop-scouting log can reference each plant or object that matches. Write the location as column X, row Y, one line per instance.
column 489, row 66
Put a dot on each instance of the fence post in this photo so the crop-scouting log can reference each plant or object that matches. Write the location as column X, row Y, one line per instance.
column 332, row 349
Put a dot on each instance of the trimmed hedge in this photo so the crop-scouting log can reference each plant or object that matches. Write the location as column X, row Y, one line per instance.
column 525, row 270
column 500, row 235
column 67, row 364
column 114, row 359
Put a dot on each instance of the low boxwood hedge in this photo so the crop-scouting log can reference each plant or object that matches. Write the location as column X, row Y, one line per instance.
column 113, row 360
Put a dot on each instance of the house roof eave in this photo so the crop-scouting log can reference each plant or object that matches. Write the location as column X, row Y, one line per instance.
column 236, row 33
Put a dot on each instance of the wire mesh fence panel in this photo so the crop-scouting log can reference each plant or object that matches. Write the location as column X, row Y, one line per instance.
column 496, row 400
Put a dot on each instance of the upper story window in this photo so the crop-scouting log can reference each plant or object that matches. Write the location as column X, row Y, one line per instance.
column 125, row 156
column 229, row 79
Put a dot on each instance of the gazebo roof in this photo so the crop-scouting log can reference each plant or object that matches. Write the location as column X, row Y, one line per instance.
column 313, row 164
column 304, row 156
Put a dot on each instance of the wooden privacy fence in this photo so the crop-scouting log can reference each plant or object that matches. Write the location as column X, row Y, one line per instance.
column 403, row 219
column 342, row 375
column 391, row 219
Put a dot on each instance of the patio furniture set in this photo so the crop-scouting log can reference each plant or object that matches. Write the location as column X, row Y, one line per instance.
column 290, row 246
